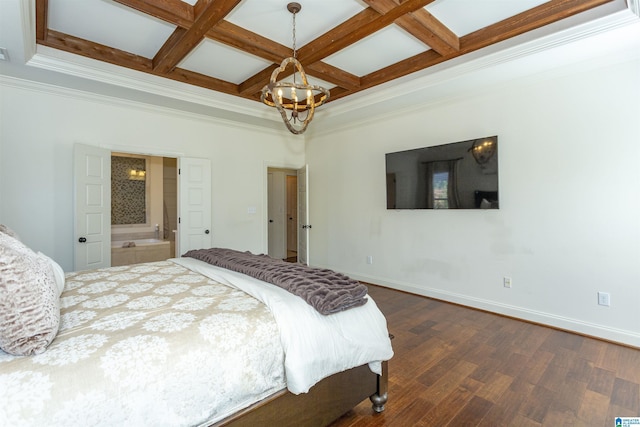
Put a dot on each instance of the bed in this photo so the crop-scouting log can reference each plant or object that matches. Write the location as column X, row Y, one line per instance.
column 182, row 343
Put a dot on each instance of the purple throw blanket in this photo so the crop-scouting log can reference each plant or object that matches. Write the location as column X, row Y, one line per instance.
column 325, row 290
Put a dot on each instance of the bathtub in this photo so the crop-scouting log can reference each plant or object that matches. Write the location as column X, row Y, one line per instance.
column 145, row 250
column 138, row 242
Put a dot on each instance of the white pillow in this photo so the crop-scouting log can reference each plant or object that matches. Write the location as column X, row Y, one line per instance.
column 58, row 272
column 6, row 230
column 29, row 301
column 485, row 204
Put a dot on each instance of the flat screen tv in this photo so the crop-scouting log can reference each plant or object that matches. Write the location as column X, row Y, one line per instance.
column 459, row 175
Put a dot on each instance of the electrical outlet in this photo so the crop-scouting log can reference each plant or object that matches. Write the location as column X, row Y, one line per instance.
column 604, row 299
column 506, row 282
column 369, row 259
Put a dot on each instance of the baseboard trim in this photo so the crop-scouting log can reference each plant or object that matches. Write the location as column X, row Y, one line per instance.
column 593, row 330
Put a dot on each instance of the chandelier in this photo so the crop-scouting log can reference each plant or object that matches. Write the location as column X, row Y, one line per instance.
column 295, row 100
column 483, row 149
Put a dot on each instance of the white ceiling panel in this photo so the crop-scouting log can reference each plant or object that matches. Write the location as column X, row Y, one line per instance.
column 466, row 16
column 110, row 24
column 379, row 50
column 271, row 19
column 223, row 62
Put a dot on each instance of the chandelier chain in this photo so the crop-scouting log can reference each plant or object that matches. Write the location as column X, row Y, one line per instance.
column 294, row 35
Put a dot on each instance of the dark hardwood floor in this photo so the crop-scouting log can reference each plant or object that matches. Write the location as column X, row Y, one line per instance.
column 455, row 366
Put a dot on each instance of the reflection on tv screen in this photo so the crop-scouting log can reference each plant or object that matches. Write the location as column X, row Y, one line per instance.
column 459, row 175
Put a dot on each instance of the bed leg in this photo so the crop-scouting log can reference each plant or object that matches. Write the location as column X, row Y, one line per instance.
column 380, row 397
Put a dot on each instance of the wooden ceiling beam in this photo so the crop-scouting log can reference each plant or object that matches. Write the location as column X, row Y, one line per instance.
column 125, row 59
column 329, row 73
column 421, row 25
column 539, row 16
column 358, row 27
column 183, row 41
column 97, row 51
column 175, row 12
column 256, row 82
column 207, row 82
column 248, row 41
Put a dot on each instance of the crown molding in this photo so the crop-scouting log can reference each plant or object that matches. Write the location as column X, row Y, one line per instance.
column 77, row 94
column 91, row 69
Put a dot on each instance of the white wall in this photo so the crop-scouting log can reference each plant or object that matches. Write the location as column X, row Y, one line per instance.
column 40, row 124
column 569, row 184
column 567, row 227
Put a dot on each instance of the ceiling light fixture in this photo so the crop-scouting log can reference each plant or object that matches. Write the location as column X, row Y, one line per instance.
column 483, row 149
column 296, row 101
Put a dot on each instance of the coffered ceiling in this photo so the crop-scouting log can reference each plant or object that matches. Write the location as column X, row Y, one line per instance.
column 232, row 46
column 213, row 57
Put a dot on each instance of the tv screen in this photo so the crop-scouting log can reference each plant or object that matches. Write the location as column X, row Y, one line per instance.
column 459, row 175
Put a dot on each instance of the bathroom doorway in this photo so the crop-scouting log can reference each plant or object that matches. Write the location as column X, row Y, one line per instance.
column 144, row 208
column 185, row 180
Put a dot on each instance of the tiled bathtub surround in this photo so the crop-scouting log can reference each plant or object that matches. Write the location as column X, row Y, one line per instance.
column 128, row 196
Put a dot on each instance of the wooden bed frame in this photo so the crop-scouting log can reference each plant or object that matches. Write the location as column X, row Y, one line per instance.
column 323, row 404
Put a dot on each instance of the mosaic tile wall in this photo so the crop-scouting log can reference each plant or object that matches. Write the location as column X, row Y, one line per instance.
column 128, row 196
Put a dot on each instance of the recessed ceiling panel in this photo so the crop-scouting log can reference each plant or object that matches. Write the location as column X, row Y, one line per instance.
column 223, row 62
column 109, row 24
column 466, row 16
column 271, row 19
column 379, row 50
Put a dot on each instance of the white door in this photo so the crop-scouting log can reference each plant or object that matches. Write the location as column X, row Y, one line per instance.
column 276, row 214
column 194, row 199
column 92, row 192
column 303, row 215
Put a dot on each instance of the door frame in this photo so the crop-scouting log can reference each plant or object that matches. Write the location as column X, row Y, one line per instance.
column 126, row 149
column 265, row 200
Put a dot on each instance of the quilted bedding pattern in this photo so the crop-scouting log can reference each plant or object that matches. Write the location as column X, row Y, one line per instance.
column 150, row 344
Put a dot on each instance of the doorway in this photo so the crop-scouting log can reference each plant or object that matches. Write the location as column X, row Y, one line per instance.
column 92, row 223
column 282, row 212
column 144, row 208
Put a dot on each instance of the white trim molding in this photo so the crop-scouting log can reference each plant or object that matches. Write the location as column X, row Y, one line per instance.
column 621, row 336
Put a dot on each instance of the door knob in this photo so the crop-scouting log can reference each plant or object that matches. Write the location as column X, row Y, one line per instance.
column 206, row 231
column 270, row 220
column 82, row 239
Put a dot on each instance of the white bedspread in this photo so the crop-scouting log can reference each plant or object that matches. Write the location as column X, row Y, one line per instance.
column 145, row 345
column 315, row 345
